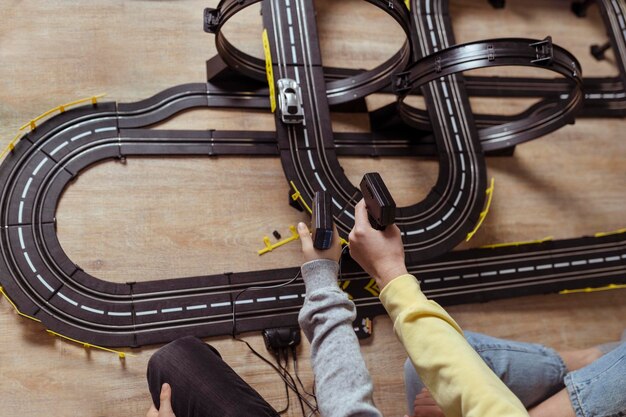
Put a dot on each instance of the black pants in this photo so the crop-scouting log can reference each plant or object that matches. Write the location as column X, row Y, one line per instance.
column 203, row 385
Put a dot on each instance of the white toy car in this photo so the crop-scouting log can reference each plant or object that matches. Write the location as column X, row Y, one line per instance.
column 289, row 101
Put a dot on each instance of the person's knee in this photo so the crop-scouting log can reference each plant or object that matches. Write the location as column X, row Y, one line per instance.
column 170, row 355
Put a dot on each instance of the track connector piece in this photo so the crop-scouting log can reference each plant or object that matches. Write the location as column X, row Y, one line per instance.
column 491, row 53
column 211, row 19
column 401, row 82
column 544, row 53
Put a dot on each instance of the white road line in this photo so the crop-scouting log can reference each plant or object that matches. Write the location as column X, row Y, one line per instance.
column 43, row 161
column 336, row 204
column 21, row 235
column 544, row 266
column 58, row 148
column 430, row 22
column 596, row 260
column 20, row 212
column 454, row 126
column 265, row 299
column 291, row 37
column 507, row 271
column 445, row 89
column 82, row 135
column 432, row 280
column 432, row 226
column 349, row 214
column 27, row 186
column 311, row 159
column 224, row 304
column 451, row 278
column 612, row 258
column 171, row 310
column 29, row 262
column 458, row 197
column 293, row 54
column 319, row 180
column 576, row 263
column 450, row 112
column 448, row 214
column 119, row 314
column 470, row 276
column 488, row 273
column 289, row 20
column 561, row 265
column 93, row 310
column 68, row 299
column 462, row 180
column 306, row 137
column 146, row 312
column 624, row 256
column 248, row 301
column 197, row 307
column 415, row 232
column 432, row 37
column 526, row 269
column 288, row 297
column 462, row 164
column 105, row 129
column 45, row 283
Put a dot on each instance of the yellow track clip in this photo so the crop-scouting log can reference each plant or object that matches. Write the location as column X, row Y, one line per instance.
column 483, row 213
column 120, row 354
column 589, row 289
column 10, row 146
column 408, row 4
column 269, row 70
column 61, row 109
column 86, row 345
column 270, row 247
column 616, row 232
column 527, row 242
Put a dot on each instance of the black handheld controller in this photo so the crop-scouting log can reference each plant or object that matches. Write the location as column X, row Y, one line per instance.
column 381, row 209
column 322, row 220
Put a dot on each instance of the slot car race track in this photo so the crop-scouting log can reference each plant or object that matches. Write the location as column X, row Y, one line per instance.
column 44, row 283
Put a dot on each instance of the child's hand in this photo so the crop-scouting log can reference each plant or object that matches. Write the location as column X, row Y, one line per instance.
column 310, row 253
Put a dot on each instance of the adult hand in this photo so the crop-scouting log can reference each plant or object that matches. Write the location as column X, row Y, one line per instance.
column 310, row 253
column 166, row 404
column 380, row 253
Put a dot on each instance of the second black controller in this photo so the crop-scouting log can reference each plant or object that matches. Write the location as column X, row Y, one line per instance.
column 381, row 208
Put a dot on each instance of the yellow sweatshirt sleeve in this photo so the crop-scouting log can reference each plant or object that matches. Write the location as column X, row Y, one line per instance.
column 455, row 374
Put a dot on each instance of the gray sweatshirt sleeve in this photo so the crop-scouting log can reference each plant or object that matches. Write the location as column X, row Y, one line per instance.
column 342, row 383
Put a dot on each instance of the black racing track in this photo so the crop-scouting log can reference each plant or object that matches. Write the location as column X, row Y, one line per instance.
column 46, row 284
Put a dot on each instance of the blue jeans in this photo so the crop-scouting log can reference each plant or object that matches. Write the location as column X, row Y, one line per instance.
column 534, row 373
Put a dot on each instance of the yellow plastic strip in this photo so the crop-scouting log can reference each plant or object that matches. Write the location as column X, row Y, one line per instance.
column 10, row 146
column 121, row 354
column 296, row 196
column 270, row 247
column 483, row 213
column 269, row 70
column 527, row 242
column 408, row 4
column 615, row 232
column 15, row 307
column 33, row 123
column 589, row 289
column 85, row 345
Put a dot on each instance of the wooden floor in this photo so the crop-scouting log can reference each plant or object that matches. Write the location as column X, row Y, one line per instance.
column 154, row 218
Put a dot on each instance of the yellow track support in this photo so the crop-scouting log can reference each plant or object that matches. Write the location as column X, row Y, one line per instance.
column 589, row 289
column 615, row 232
column 408, row 4
column 483, row 213
column 269, row 70
column 33, row 123
column 61, row 109
column 86, row 345
column 270, row 247
column 527, row 242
